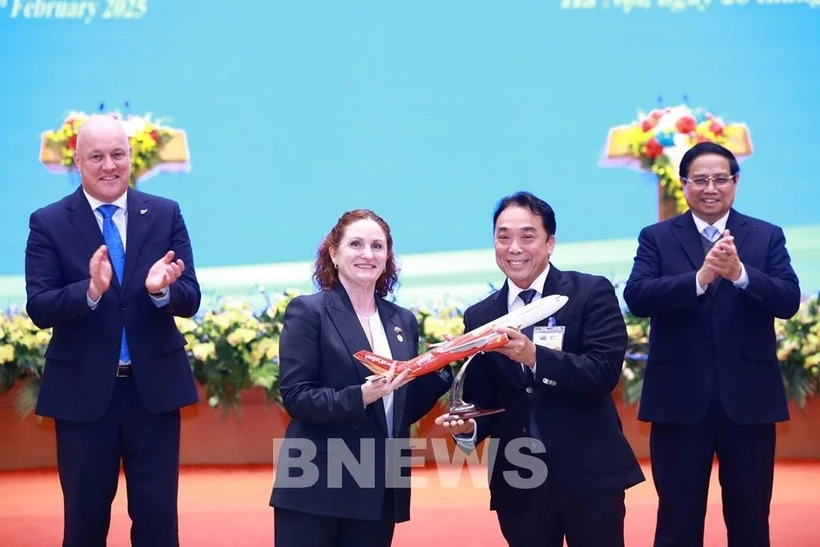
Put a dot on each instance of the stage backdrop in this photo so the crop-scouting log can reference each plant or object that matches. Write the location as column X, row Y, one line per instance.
column 425, row 111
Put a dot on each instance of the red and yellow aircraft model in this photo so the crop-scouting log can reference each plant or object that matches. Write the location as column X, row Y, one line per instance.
column 481, row 339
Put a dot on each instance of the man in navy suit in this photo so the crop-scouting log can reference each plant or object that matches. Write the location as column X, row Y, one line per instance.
column 108, row 268
column 712, row 383
column 554, row 381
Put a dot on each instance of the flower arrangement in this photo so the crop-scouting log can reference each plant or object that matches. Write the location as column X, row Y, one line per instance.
column 660, row 138
column 656, row 141
column 234, row 348
column 799, row 351
column 145, row 135
column 22, row 355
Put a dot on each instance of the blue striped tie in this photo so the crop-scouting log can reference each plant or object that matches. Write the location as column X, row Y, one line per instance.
column 116, row 252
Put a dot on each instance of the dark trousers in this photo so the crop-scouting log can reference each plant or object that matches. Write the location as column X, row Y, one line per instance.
column 88, row 460
column 298, row 529
column 550, row 513
column 682, row 458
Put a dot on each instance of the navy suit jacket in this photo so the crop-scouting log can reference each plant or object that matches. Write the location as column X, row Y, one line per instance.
column 585, row 447
column 320, row 382
column 82, row 357
column 722, row 342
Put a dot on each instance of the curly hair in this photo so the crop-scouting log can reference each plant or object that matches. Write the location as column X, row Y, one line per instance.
column 326, row 276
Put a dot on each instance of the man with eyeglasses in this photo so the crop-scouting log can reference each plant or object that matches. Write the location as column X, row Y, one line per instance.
column 712, row 280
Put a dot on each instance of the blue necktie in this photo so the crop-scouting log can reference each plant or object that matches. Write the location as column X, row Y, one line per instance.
column 116, row 252
column 710, row 232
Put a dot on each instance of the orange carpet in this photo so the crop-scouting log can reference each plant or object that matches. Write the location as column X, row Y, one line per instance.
column 229, row 507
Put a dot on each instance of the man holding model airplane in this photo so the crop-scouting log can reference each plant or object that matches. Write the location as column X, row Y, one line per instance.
column 554, row 380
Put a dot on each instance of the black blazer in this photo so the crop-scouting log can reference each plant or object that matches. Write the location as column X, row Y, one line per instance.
column 586, row 449
column 722, row 342
column 82, row 357
column 320, row 381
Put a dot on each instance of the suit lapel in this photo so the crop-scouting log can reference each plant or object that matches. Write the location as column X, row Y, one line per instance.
column 84, row 221
column 690, row 239
column 82, row 218
column 500, row 308
column 400, row 350
column 340, row 310
column 139, row 218
column 738, row 226
column 556, row 283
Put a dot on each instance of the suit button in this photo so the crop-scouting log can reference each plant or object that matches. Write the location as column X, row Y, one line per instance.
column 123, row 307
column 529, row 389
column 524, row 430
column 355, row 427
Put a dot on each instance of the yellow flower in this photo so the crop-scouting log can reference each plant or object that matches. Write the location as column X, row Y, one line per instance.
column 43, row 337
column 437, row 327
column 634, row 331
column 203, row 352
column 266, row 349
column 6, row 353
column 241, row 336
column 190, row 340
column 185, row 325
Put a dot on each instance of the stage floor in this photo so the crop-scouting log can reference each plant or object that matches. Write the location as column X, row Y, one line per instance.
column 228, row 506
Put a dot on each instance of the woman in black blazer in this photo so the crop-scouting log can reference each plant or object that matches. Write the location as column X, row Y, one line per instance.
column 338, row 477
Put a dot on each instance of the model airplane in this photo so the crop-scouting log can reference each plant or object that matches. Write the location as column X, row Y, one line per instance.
column 481, row 339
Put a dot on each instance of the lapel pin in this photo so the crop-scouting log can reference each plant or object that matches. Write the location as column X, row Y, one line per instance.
column 551, row 322
column 399, row 334
column 143, row 211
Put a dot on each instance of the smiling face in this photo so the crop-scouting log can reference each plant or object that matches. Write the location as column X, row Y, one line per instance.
column 522, row 245
column 710, row 188
column 103, row 158
column 361, row 255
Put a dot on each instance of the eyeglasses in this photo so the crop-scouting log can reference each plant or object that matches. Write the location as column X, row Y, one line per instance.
column 702, row 182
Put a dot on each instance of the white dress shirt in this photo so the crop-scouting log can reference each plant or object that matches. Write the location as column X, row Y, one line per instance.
column 513, row 303
column 120, row 219
column 382, row 348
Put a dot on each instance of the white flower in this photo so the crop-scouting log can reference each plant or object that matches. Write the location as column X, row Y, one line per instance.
column 133, row 125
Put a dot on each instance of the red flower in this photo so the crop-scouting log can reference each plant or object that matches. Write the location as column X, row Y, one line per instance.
column 653, row 149
column 72, row 142
column 649, row 123
column 701, row 138
column 716, row 128
column 155, row 135
column 656, row 114
column 686, row 124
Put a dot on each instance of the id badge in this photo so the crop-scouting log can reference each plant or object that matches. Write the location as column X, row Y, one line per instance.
column 549, row 337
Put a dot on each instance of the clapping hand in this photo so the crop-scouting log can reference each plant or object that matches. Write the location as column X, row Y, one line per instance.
column 164, row 272
column 101, row 272
column 722, row 260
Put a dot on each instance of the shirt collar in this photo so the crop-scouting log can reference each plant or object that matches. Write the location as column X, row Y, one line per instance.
column 720, row 223
column 538, row 284
column 121, row 202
